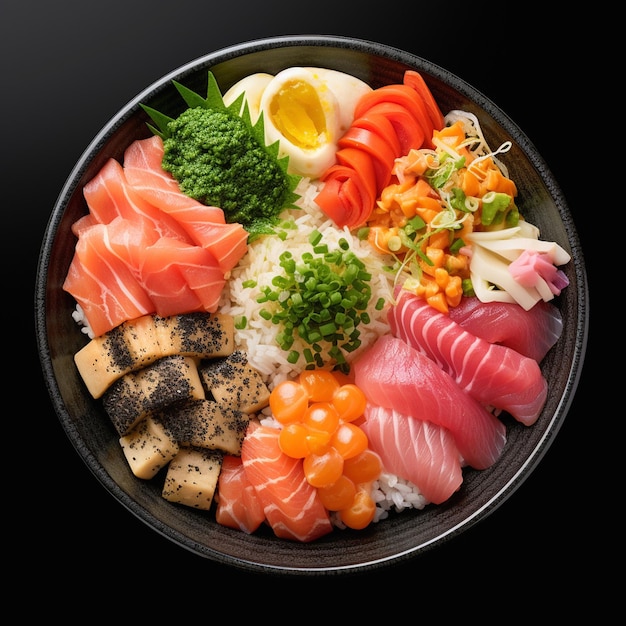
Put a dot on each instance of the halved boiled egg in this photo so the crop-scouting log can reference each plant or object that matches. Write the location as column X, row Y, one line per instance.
column 302, row 113
column 348, row 90
column 253, row 86
column 305, row 109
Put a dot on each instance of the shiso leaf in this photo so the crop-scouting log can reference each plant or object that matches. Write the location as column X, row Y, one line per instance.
column 160, row 119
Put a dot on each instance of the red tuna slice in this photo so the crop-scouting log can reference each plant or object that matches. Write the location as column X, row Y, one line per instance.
column 416, row 450
column 532, row 333
column 394, row 375
column 167, row 269
column 103, row 283
column 494, row 375
column 109, row 195
column 292, row 506
column 238, row 505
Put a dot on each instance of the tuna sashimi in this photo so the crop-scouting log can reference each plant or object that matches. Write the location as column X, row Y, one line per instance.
column 206, row 225
column 292, row 506
column 109, row 195
column 416, row 450
column 494, row 375
column 181, row 278
column 238, row 505
column 103, row 283
column 532, row 333
column 394, row 375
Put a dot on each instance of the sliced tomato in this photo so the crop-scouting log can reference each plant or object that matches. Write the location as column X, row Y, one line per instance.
column 408, row 130
column 416, row 81
column 362, row 164
column 374, row 145
column 340, row 198
column 400, row 94
column 380, row 124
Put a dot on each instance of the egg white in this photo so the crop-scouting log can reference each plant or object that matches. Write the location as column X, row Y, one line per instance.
column 338, row 95
column 348, row 90
column 253, row 86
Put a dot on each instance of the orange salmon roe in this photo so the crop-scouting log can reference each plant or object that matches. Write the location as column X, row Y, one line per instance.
column 288, row 400
column 319, row 412
column 339, row 495
column 349, row 401
column 319, row 384
column 361, row 512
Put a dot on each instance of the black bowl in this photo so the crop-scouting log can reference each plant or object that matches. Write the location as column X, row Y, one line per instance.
column 402, row 536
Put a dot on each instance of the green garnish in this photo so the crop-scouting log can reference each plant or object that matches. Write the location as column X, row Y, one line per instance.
column 322, row 299
column 220, row 159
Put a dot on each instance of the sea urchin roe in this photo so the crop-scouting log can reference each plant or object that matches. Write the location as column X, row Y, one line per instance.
column 317, row 413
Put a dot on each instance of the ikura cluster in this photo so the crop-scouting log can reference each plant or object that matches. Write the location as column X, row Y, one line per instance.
column 317, row 412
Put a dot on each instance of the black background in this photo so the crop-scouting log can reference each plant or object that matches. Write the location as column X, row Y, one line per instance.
column 67, row 67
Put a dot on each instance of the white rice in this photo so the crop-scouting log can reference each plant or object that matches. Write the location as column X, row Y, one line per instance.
column 258, row 338
column 262, row 263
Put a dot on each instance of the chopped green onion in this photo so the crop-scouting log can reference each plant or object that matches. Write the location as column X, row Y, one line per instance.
column 322, row 298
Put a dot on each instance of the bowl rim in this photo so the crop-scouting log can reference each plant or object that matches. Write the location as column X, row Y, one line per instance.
column 363, row 46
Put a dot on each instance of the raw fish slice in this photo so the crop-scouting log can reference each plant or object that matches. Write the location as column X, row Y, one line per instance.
column 162, row 275
column 206, row 225
column 207, row 282
column 109, row 195
column 394, row 375
column 416, row 450
column 181, row 277
column 291, row 505
column 228, row 242
column 238, row 505
column 129, row 240
column 104, row 284
column 532, row 333
column 82, row 223
column 492, row 374
column 142, row 166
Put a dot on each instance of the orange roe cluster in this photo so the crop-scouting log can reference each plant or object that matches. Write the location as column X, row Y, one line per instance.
column 317, row 412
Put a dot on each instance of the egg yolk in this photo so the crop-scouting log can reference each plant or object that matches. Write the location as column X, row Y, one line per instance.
column 297, row 113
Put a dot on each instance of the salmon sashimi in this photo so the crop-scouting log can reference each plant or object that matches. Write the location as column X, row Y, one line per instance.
column 238, row 505
column 104, row 284
column 531, row 332
column 109, row 195
column 292, row 506
column 83, row 222
column 417, row 450
column 129, row 239
column 495, row 375
column 143, row 169
column 394, row 375
column 206, row 225
column 181, row 278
